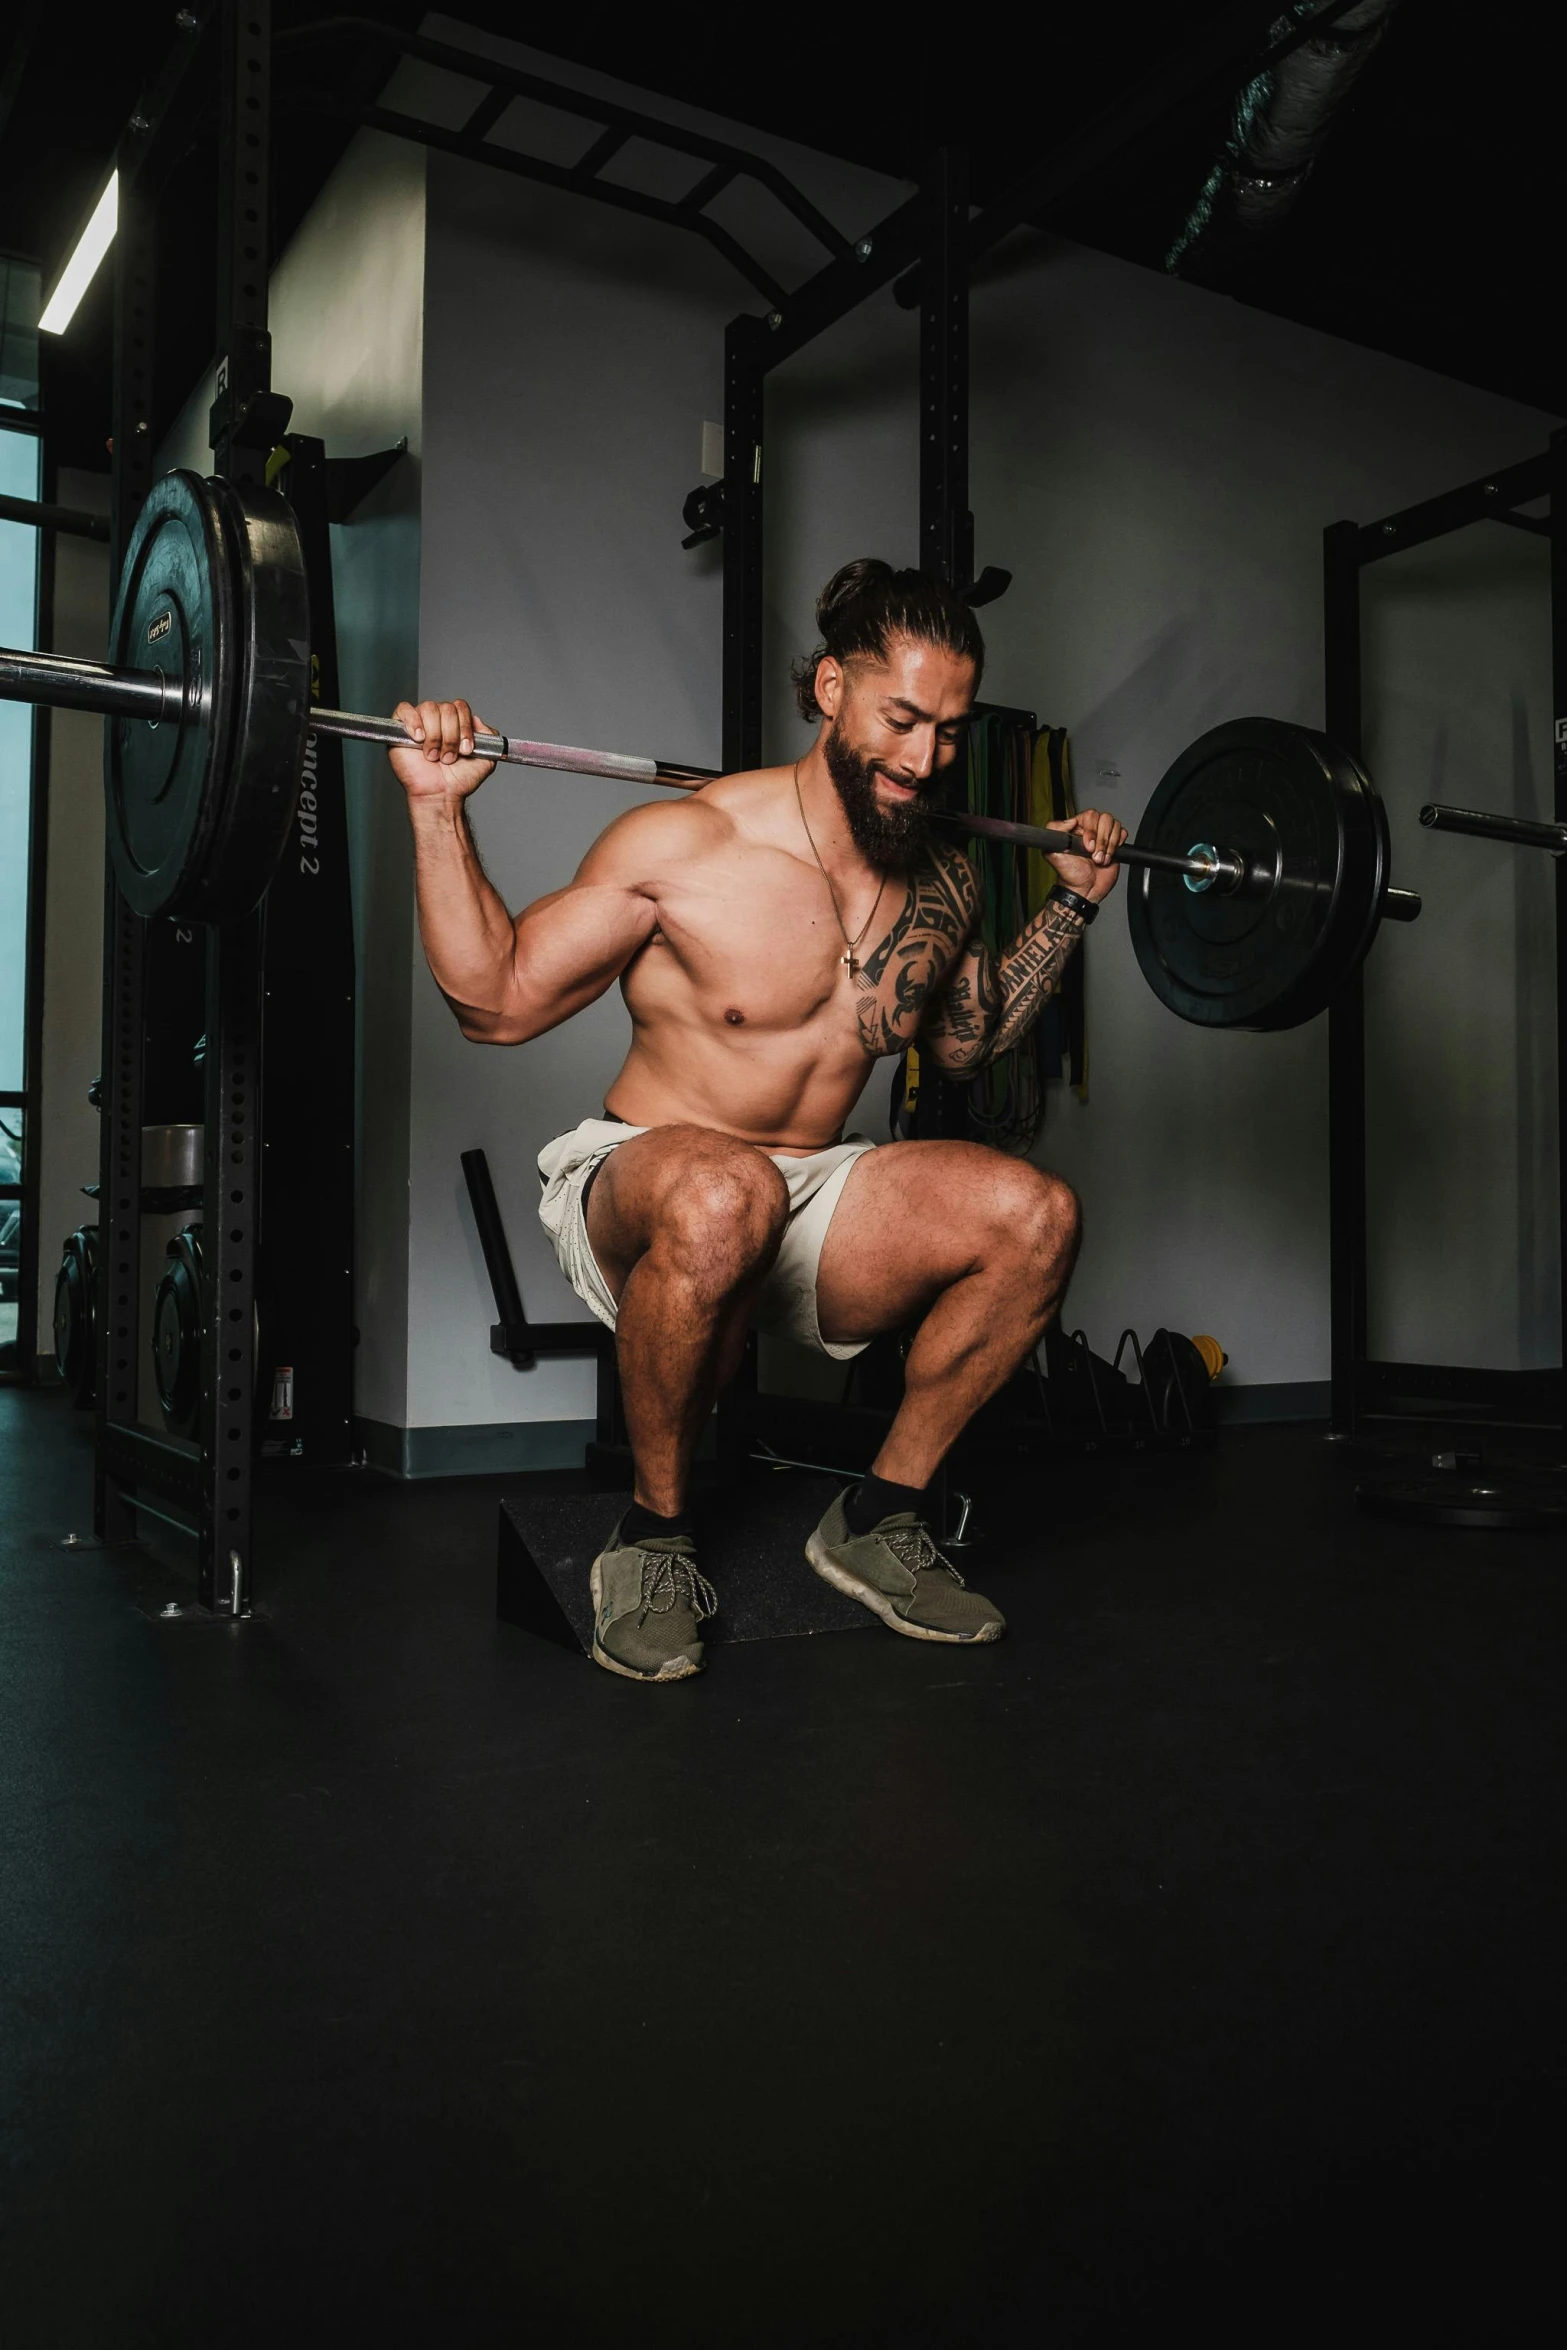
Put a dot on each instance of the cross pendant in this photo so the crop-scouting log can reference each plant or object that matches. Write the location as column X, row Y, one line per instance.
column 848, row 961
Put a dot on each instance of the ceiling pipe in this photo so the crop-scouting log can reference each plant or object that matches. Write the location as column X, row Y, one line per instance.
column 1282, row 119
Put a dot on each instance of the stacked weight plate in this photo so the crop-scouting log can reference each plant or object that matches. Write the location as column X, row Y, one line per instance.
column 1314, row 837
column 213, row 598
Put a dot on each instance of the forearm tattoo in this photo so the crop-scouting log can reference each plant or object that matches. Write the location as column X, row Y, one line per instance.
column 992, row 1001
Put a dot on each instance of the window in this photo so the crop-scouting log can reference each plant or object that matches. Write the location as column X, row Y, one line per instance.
column 20, row 460
column 18, row 334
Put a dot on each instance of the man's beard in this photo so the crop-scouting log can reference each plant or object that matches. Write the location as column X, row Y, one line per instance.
column 893, row 839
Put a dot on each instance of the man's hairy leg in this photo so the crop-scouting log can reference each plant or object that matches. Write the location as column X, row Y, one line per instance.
column 979, row 1245
column 685, row 1225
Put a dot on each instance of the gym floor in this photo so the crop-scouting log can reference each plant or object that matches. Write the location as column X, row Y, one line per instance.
column 375, row 1971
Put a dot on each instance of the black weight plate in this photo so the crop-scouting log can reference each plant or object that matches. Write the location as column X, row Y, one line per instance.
column 1312, row 832
column 271, row 701
column 1511, row 1502
column 1353, row 896
column 75, row 1319
column 175, row 614
column 1369, row 865
column 176, row 1332
column 213, row 594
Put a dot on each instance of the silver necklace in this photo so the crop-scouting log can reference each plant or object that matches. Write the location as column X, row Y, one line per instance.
column 847, row 958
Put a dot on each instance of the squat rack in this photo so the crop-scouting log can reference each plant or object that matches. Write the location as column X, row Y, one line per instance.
column 927, row 244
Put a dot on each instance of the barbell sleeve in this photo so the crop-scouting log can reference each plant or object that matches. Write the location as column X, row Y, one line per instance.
column 60, row 683
column 35, row 514
column 1523, row 832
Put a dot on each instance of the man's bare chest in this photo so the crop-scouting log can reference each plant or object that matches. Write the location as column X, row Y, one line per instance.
column 764, row 940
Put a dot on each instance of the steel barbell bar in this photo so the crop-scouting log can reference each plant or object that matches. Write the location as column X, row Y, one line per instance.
column 1211, row 866
column 64, row 683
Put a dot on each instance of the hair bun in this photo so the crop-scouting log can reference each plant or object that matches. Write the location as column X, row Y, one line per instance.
column 866, row 603
column 845, row 585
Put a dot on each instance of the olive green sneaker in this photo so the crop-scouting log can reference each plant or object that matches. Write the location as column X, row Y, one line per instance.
column 897, row 1572
column 648, row 1599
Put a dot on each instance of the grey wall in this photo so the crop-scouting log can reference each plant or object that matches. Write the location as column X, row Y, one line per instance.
column 73, row 911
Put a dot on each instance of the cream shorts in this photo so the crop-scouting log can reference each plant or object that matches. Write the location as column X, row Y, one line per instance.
column 788, row 1300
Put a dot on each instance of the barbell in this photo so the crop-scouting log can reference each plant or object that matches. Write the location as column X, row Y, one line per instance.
column 1260, row 866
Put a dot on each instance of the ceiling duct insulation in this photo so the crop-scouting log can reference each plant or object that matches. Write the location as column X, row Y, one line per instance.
column 1281, row 121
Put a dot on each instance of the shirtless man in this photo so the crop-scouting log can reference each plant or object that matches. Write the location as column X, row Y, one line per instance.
column 774, row 934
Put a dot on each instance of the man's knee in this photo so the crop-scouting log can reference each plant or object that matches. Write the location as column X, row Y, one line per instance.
column 1035, row 1220
column 724, row 1213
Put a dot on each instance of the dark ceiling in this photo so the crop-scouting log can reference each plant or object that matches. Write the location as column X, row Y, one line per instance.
column 1420, row 231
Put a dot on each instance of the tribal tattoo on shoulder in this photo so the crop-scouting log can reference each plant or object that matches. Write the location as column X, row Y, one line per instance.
column 991, row 1001
column 896, row 980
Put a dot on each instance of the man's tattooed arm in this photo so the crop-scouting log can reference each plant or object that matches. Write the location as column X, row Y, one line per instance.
column 990, row 1002
column 925, row 941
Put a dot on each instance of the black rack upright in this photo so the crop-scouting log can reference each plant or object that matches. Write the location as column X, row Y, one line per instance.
column 166, row 983
column 137, row 1471
column 1365, row 1388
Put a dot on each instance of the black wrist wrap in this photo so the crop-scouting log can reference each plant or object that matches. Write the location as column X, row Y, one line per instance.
column 1074, row 902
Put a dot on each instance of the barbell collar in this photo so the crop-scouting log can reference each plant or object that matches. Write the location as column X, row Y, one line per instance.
column 1521, row 832
column 60, row 683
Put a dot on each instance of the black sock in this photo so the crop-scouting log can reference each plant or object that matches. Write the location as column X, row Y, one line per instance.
column 644, row 1525
column 873, row 1499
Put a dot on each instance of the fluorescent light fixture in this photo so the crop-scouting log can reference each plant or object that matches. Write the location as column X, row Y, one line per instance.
column 82, row 268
